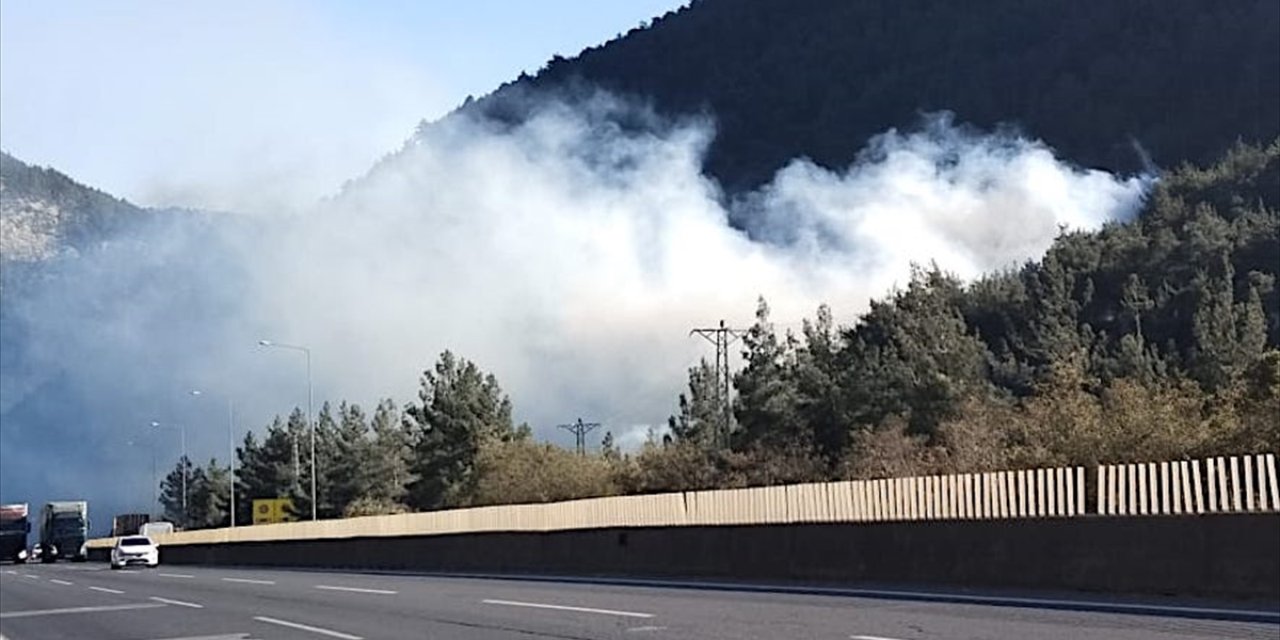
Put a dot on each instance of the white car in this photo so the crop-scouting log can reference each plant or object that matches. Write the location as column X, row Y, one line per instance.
column 134, row 550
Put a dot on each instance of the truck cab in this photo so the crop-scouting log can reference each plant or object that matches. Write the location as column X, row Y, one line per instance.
column 64, row 530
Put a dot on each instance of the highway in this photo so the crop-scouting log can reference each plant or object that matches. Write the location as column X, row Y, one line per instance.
column 89, row 601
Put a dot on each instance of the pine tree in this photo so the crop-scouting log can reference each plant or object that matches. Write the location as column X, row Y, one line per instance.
column 266, row 470
column 349, row 453
column 177, row 504
column 389, row 455
column 767, row 404
column 701, row 409
column 209, row 497
column 460, row 408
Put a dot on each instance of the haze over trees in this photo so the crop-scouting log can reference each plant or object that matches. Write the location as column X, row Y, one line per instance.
column 1153, row 339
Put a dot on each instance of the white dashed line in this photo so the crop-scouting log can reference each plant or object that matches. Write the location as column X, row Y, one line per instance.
column 61, row 582
column 356, row 589
column 561, row 607
column 248, row 581
column 177, row 602
column 27, row 575
column 54, row 612
column 106, row 590
column 305, row 627
column 871, row 638
column 175, row 575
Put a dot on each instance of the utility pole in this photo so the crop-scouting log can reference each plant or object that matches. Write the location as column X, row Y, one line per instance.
column 580, row 430
column 722, row 337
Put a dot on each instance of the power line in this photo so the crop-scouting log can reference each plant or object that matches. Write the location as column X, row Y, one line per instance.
column 722, row 337
column 580, row 430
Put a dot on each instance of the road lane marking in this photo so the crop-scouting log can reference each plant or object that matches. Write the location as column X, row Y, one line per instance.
column 306, row 627
column 356, row 589
column 55, row 612
column 561, row 607
column 225, row 636
column 61, row 582
column 106, row 590
column 12, row 573
column 27, row 575
column 248, row 581
column 177, row 602
column 175, row 575
column 646, row 628
column 871, row 638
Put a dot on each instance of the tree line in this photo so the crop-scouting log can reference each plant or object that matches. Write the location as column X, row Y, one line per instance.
column 1152, row 339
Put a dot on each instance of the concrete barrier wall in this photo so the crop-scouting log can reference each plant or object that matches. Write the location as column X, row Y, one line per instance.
column 1132, row 489
column 1225, row 555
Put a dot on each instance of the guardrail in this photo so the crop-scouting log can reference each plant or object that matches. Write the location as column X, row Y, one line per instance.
column 1227, row 484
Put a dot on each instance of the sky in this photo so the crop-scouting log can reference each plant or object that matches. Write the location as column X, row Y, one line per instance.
column 194, row 104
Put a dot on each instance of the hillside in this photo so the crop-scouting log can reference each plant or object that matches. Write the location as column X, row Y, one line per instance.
column 44, row 213
column 1103, row 83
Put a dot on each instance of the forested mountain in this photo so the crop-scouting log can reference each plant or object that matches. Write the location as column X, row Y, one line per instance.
column 1099, row 82
column 44, row 213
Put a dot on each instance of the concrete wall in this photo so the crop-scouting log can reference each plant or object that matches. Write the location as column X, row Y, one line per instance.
column 1223, row 555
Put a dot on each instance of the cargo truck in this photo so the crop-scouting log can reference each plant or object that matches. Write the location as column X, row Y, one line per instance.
column 14, row 526
column 128, row 524
column 64, row 530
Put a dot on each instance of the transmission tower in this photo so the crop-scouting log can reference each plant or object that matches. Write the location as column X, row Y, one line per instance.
column 722, row 337
column 580, row 430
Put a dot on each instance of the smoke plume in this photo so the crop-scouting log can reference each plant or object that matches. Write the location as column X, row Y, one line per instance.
column 567, row 253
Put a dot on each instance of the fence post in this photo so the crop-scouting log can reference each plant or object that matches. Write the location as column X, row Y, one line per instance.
column 1142, row 488
column 1175, row 481
column 1235, row 484
column 1211, row 483
column 1248, row 482
column 1272, row 482
column 1224, row 489
column 1080, row 491
column 1153, row 486
column 1102, row 490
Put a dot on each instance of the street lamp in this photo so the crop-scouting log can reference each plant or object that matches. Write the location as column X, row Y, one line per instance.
column 310, row 427
column 231, row 452
column 182, row 464
column 154, row 487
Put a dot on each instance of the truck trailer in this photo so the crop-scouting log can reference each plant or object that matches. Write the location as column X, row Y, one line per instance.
column 64, row 530
column 128, row 524
column 14, row 526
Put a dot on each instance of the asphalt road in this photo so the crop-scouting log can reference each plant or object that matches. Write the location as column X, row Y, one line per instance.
column 89, row 601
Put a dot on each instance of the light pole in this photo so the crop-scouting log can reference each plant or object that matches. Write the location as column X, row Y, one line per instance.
column 231, row 452
column 310, row 427
column 154, row 497
column 182, row 465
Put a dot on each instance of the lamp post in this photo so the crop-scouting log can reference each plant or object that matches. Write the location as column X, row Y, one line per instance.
column 310, row 427
column 154, row 496
column 231, row 453
column 182, row 465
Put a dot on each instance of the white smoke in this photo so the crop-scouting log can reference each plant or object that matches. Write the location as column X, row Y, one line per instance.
column 571, row 256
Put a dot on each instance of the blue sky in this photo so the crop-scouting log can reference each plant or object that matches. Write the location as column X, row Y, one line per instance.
column 261, row 105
